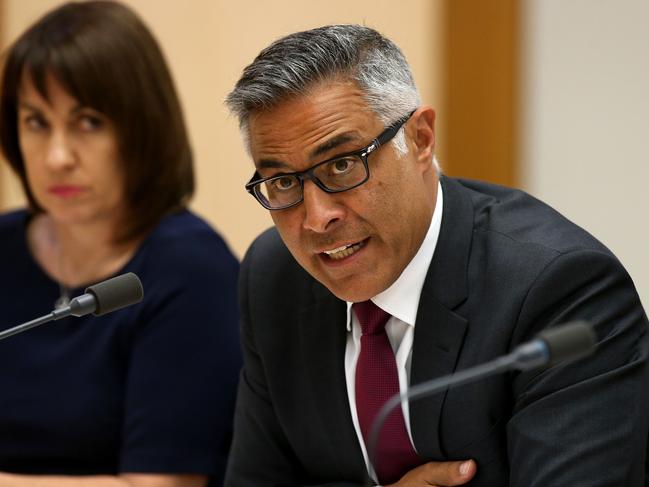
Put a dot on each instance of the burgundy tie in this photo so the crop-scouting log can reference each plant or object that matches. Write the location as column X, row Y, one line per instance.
column 377, row 381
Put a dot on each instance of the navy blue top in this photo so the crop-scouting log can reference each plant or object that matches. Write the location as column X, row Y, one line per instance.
column 147, row 389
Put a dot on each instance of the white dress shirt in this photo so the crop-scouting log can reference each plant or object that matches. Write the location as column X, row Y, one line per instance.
column 401, row 300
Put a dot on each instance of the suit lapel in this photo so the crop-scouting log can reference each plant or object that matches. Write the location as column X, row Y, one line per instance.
column 439, row 335
column 439, row 331
column 324, row 334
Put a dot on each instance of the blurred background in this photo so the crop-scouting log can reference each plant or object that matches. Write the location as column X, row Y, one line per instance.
column 547, row 95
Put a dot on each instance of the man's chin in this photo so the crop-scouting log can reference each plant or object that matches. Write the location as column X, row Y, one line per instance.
column 353, row 288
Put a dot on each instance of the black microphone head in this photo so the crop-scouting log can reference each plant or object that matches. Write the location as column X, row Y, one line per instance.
column 566, row 342
column 116, row 293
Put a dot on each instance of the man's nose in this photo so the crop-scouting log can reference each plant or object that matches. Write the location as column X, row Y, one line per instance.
column 321, row 209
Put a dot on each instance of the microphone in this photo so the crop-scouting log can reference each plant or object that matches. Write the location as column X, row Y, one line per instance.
column 99, row 299
column 565, row 342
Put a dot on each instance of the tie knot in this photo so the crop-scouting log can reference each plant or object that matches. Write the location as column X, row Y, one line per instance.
column 371, row 317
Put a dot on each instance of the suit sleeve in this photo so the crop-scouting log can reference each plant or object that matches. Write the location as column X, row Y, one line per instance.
column 261, row 454
column 584, row 422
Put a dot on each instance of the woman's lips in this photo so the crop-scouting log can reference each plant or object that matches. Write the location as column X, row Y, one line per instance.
column 66, row 190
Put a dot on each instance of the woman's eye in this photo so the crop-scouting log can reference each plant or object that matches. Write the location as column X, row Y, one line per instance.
column 89, row 123
column 34, row 122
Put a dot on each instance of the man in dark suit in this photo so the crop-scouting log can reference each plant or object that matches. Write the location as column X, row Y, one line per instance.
column 381, row 273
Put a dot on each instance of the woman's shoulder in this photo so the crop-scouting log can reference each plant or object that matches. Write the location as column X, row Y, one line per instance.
column 184, row 256
column 13, row 220
column 185, row 228
column 13, row 226
column 184, row 239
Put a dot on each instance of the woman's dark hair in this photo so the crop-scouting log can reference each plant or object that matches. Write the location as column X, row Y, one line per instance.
column 104, row 56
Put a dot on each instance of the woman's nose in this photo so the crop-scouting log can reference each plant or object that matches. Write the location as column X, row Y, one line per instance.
column 60, row 154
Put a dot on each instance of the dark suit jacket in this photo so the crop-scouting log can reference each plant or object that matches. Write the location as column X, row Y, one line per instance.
column 505, row 267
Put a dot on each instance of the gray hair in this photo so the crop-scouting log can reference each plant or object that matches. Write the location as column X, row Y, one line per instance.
column 293, row 64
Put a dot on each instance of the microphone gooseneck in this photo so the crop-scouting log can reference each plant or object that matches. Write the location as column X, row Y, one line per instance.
column 99, row 299
column 553, row 345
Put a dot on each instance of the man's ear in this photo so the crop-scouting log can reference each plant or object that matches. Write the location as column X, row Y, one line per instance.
column 422, row 132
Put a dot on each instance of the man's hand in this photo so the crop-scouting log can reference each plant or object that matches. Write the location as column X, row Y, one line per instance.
column 438, row 474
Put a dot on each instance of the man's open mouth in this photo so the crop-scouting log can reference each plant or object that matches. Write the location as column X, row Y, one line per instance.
column 344, row 251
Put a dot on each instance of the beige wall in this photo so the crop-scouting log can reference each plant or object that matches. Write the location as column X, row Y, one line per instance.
column 208, row 42
column 585, row 125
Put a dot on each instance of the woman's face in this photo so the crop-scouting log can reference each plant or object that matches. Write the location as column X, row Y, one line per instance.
column 71, row 156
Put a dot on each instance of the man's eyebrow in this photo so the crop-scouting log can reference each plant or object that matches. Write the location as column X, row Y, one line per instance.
column 321, row 149
column 333, row 143
column 270, row 164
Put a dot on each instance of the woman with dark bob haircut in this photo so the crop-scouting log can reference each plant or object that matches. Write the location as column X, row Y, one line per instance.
column 144, row 396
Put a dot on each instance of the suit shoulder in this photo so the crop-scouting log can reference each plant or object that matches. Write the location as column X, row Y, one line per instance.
column 513, row 214
column 269, row 258
column 267, row 247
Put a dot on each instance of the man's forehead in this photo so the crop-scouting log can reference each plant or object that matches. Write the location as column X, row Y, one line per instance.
column 337, row 95
column 328, row 118
column 310, row 138
column 330, row 111
column 280, row 158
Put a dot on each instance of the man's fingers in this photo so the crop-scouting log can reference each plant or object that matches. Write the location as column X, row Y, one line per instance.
column 449, row 473
column 439, row 474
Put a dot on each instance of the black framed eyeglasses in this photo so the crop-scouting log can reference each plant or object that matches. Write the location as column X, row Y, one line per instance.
column 335, row 175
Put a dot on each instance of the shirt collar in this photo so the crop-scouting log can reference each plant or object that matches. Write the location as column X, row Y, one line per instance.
column 401, row 299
